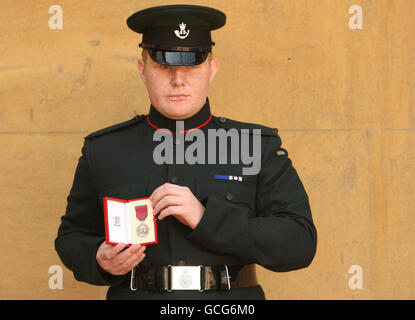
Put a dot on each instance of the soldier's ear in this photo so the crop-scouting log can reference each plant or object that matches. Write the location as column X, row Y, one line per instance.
column 141, row 66
column 214, row 67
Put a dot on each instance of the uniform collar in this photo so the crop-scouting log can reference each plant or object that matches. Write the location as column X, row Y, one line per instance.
column 198, row 120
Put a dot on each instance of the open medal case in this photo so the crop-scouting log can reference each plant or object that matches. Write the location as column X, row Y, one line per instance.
column 129, row 221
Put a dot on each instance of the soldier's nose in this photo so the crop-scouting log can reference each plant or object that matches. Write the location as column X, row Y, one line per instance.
column 177, row 77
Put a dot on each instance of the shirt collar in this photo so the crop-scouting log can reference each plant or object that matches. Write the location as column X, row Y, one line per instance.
column 198, row 120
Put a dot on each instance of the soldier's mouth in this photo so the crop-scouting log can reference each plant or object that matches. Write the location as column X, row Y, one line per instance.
column 177, row 97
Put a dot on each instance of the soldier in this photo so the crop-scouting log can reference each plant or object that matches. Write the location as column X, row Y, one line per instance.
column 212, row 219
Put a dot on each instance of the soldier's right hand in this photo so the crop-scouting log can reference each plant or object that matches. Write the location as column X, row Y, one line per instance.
column 112, row 260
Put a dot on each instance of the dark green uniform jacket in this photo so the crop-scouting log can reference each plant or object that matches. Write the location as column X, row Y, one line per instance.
column 263, row 219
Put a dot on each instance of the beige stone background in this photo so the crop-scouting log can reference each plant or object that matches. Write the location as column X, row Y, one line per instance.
column 343, row 100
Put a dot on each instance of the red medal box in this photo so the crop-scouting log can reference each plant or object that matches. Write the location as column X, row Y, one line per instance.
column 129, row 221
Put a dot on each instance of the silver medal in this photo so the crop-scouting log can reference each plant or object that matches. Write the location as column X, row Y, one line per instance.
column 142, row 230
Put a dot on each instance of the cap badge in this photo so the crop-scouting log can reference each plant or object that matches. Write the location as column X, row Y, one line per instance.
column 182, row 34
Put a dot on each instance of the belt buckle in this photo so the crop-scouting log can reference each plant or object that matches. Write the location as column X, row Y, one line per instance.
column 185, row 278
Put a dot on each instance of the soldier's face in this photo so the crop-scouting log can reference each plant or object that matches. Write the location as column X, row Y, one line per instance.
column 177, row 92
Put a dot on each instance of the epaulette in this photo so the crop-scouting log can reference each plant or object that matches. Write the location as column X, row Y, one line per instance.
column 229, row 124
column 117, row 126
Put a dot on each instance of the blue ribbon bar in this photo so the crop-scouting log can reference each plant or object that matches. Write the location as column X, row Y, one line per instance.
column 226, row 177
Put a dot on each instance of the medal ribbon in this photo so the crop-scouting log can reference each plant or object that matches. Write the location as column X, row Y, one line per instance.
column 141, row 212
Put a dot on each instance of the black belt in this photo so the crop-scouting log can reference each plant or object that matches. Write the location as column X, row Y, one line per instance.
column 193, row 277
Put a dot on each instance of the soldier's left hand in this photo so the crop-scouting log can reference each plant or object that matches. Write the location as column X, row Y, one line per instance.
column 178, row 201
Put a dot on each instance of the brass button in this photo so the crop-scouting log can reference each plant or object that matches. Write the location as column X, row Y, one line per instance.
column 229, row 196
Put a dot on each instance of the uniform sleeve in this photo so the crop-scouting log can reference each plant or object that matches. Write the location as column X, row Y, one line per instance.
column 281, row 235
column 82, row 227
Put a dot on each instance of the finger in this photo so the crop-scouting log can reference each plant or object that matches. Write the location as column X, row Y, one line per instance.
column 157, row 190
column 165, row 202
column 175, row 211
column 163, row 190
column 122, row 267
column 132, row 261
column 123, row 256
column 125, row 269
column 169, row 211
column 111, row 252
